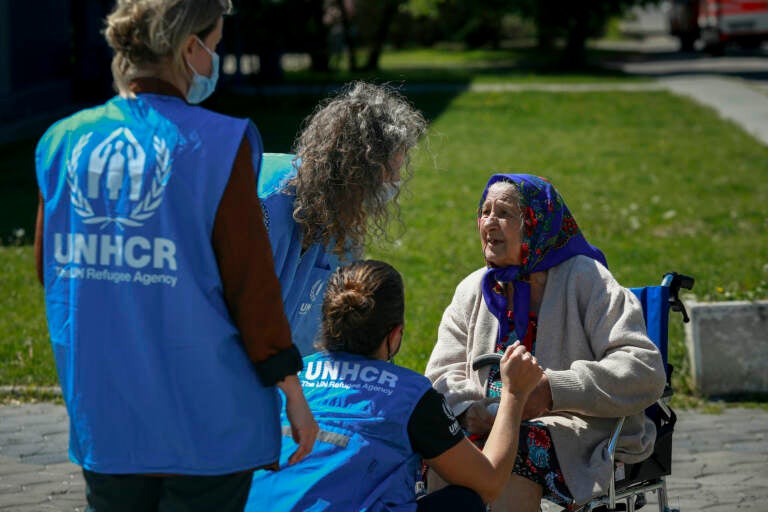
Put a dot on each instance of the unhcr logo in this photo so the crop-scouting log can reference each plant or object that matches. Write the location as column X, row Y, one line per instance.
column 314, row 293
column 348, row 375
column 117, row 161
column 114, row 182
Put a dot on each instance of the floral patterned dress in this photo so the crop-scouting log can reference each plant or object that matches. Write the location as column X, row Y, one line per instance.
column 536, row 459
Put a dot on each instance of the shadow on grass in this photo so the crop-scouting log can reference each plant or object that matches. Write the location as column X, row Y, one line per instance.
column 278, row 117
column 18, row 192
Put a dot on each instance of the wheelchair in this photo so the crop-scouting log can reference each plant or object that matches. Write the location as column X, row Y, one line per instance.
column 630, row 483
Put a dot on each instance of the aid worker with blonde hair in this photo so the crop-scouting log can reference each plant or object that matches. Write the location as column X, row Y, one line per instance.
column 163, row 306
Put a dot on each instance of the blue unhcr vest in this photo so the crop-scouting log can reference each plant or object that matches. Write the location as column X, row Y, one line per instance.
column 363, row 459
column 152, row 369
column 302, row 276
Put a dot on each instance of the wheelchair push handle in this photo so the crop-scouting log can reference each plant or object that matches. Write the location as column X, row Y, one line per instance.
column 486, row 360
column 674, row 282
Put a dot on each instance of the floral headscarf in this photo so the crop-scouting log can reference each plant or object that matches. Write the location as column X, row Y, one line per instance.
column 549, row 236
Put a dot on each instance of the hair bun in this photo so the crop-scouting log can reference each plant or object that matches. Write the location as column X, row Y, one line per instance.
column 126, row 33
column 354, row 300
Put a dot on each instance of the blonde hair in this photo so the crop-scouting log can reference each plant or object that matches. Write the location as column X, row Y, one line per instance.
column 346, row 151
column 148, row 35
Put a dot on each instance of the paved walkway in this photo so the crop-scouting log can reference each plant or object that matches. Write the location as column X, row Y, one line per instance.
column 720, row 462
column 740, row 101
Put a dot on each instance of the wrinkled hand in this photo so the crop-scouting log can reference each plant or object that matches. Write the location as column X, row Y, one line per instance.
column 539, row 401
column 477, row 419
column 304, row 428
column 520, row 372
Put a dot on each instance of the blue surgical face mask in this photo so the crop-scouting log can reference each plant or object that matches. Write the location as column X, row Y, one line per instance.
column 203, row 86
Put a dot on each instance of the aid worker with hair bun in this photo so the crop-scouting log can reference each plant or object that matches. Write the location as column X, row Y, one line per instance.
column 163, row 306
column 379, row 421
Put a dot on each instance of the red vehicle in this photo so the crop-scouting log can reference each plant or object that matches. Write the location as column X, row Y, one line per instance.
column 718, row 23
column 744, row 22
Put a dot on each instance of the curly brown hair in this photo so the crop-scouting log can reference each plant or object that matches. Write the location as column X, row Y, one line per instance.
column 363, row 302
column 346, row 152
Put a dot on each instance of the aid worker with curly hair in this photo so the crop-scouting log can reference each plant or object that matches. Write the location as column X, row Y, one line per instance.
column 340, row 186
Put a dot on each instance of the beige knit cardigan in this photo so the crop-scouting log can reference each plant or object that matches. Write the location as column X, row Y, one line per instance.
column 591, row 341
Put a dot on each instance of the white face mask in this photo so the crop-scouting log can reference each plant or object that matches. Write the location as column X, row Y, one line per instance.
column 389, row 190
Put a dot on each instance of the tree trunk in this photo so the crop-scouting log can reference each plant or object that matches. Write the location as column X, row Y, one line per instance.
column 575, row 55
column 545, row 27
column 388, row 12
column 91, row 56
column 270, row 67
column 319, row 53
column 349, row 39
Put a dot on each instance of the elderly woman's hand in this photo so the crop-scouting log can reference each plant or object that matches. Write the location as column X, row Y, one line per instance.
column 478, row 418
column 539, row 401
column 520, row 372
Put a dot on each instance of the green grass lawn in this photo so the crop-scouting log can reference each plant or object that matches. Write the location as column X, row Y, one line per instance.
column 655, row 181
column 25, row 354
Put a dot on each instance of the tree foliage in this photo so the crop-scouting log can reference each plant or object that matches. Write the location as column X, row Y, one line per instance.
column 554, row 20
column 573, row 22
column 353, row 28
column 470, row 22
column 269, row 28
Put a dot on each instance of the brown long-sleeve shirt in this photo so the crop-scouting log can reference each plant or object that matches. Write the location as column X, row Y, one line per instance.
column 241, row 244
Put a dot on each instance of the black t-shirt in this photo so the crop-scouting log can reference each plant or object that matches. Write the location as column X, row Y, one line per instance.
column 432, row 428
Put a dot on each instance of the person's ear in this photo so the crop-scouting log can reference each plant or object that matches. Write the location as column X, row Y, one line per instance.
column 189, row 45
column 395, row 332
column 395, row 339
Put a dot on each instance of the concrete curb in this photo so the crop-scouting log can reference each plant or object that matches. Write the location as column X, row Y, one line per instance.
column 30, row 390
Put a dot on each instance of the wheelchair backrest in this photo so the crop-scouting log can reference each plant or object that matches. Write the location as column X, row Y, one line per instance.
column 655, row 301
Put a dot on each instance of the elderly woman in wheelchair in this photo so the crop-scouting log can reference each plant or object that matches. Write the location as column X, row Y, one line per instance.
column 546, row 286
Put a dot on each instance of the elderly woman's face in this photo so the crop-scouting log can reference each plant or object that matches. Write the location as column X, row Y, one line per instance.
column 500, row 227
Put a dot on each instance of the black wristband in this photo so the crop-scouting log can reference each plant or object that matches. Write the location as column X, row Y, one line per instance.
column 279, row 366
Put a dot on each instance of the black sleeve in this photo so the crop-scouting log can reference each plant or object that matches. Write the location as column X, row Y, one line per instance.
column 432, row 427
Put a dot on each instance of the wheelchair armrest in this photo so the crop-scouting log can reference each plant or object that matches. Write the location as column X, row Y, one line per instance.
column 615, row 437
column 486, row 360
column 667, row 416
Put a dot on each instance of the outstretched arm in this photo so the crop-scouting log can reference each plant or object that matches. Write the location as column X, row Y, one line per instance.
column 488, row 471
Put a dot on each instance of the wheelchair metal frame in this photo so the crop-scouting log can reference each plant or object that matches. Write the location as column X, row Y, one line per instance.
column 633, row 495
